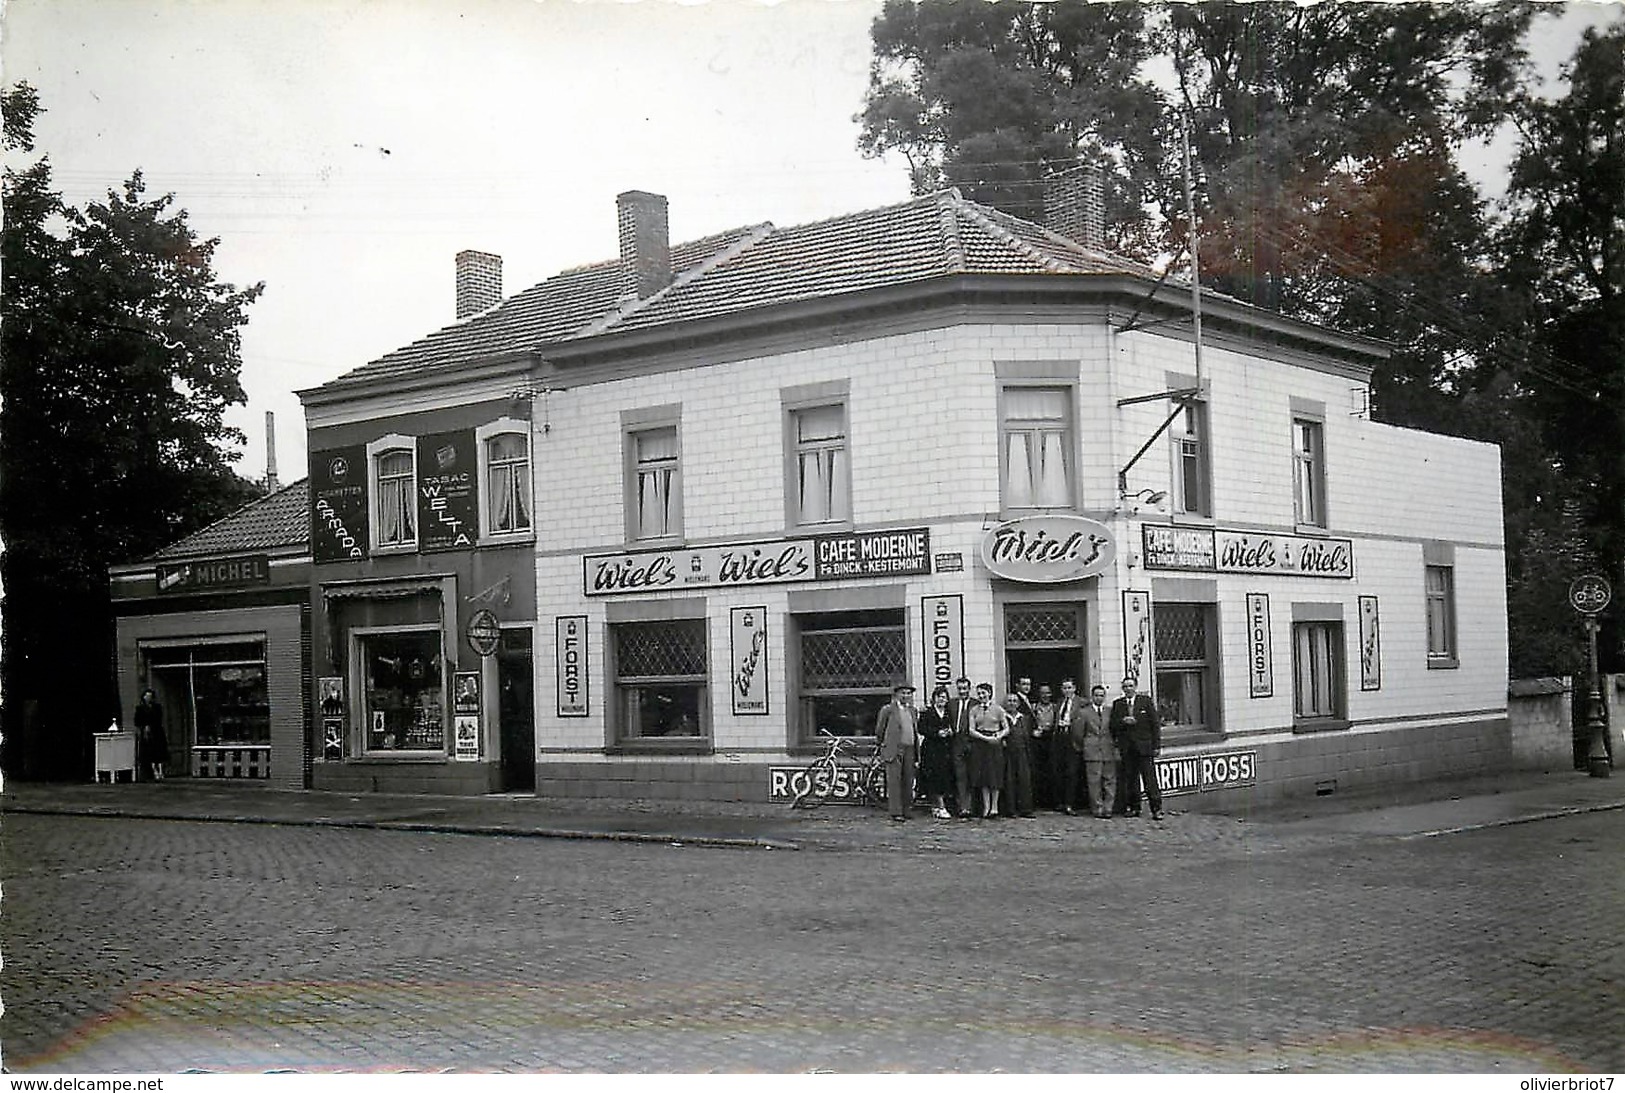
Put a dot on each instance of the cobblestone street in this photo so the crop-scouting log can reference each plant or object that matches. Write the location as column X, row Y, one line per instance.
column 1051, row 945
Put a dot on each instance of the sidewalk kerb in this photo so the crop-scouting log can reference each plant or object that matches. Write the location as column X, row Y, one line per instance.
column 1510, row 821
column 662, row 838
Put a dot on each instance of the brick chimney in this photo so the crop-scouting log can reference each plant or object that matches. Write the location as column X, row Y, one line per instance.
column 1075, row 205
column 645, row 242
column 479, row 282
column 271, row 483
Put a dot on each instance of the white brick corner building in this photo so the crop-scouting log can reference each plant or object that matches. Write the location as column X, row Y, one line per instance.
column 776, row 470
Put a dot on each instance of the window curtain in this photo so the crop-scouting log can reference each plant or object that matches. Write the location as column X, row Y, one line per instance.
column 657, row 479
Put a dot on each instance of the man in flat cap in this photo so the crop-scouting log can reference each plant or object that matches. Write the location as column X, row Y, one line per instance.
column 897, row 739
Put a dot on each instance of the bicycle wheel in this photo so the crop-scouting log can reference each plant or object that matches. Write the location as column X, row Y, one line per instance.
column 816, row 783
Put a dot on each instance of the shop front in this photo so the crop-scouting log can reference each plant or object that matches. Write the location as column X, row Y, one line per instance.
column 218, row 627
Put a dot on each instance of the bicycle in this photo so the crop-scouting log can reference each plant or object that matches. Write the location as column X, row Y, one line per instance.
column 826, row 778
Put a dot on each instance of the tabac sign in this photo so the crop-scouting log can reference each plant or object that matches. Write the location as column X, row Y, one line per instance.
column 1048, row 549
column 900, row 553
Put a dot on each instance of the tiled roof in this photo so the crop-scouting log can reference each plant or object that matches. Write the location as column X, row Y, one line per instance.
column 749, row 268
column 281, row 519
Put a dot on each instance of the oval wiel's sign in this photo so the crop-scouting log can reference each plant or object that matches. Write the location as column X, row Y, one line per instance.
column 1048, row 549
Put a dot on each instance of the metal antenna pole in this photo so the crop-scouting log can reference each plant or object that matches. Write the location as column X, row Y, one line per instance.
column 1190, row 218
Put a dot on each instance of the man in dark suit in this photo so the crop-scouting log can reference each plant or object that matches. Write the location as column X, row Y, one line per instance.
column 896, row 737
column 959, row 712
column 1138, row 734
column 1068, row 746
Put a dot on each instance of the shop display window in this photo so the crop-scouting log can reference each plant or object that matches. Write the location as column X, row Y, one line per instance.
column 1186, row 691
column 213, row 694
column 403, row 692
column 849, row 662
column 660, row 679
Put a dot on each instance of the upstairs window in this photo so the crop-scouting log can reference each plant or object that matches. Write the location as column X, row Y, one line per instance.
column 1036, row 442
column 1191, row 474
column 507, row 478
column 396, row 480
column 1309, row 472
column 821, row 475
column 657, row 484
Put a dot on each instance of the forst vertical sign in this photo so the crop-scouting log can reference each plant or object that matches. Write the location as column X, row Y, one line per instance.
column 338, row 504
column 943, row 621
column 570, row 663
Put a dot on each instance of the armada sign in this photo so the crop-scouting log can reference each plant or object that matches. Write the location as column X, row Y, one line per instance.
column 1048, row 549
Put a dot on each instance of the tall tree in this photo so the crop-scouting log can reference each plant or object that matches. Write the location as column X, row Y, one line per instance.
column 120, row 354
column 1565, row 243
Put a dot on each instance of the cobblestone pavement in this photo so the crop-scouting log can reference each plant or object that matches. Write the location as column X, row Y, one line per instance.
column 1055, row 944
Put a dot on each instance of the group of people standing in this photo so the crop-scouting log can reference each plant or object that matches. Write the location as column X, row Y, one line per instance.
column 977, row 758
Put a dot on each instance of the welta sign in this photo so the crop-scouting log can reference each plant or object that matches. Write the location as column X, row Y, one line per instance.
column 1048, row 549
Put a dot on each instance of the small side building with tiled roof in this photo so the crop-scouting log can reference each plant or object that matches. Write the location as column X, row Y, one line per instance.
column 218, row 626
column 769, row 474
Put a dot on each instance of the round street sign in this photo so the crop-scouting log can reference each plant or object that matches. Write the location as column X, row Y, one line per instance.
column 1590, row 594
column 484, row 632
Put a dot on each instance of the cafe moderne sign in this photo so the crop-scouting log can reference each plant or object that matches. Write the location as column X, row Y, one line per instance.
column 905, row 552
column 1218, row 551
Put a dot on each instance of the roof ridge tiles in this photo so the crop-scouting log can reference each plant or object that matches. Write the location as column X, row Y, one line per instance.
column 747, row 237
column 953, row 247
column 1011, row 239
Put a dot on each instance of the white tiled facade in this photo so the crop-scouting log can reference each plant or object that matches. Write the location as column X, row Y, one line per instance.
column 923, row 433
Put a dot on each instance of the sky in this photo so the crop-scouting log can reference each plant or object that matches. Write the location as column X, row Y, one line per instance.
column 343, row 151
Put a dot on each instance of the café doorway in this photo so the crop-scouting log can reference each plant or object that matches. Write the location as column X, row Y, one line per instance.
column 516, row 712
column 1044, row 641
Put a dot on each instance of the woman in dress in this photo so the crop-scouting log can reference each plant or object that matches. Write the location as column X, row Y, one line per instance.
column 1018, row 767
column 150, row 735
column 936, row 761
column 988, row 729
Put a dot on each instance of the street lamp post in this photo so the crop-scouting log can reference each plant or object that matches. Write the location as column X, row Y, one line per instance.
column 1589, row 595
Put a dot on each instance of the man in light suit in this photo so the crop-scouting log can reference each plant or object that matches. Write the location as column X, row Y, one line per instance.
column 1099, row 754
column 1138, row 734
column 959, row 712
column 897, row 737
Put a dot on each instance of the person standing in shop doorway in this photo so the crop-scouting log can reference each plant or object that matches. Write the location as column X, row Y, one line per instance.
column 1138, row 735
column 150, row 737
column 897, row 737
column 1018, row 759
column 1046, row 750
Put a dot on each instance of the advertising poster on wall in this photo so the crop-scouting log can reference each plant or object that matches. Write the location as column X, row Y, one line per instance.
column 448, row 508
column 338, row 504
column 1260, row 654
column 468, row 738
column 465, row 695
column 570, row 662
column 1137, row 636
column 330, row 705
column 943, row 620
column 1370, row 646
column 747, row 642
column 904, row 552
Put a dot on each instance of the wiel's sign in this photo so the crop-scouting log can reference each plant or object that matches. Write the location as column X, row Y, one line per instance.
column 1048, row 549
